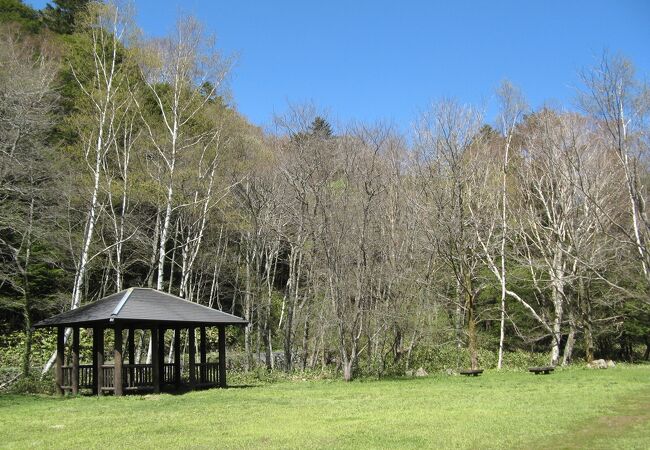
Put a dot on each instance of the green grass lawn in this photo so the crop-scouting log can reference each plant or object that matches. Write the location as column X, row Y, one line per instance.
column 576, row 408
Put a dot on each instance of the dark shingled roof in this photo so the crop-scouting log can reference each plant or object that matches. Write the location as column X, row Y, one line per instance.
column 142, row 305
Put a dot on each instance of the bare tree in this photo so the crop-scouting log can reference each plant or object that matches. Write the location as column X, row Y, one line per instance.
column 446, row 137
column 27, row 102
column 620, row 105
column 101, row 86
column 513, row 107
column 549, row 209
column 183, row 73
column 118, row 170
column 491, row 222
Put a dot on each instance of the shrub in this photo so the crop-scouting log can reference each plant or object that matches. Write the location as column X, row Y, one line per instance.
column 31, row 384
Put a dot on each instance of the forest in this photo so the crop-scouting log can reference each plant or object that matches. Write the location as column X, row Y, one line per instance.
column 356, row 249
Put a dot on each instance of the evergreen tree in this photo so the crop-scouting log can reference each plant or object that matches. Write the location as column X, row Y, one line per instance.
column 15, row 11
column 320, row 128
column 61, row 16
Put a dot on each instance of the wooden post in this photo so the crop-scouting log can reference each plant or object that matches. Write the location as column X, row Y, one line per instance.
column 203, row 355
column 75, row 361
column 177, row 357
column 117, row 366
column 94, row 356
column 131, row 349
column 60, row 353
column 192, row 355
column 222, row 356
column 161, row 356
column 155, row 359
column 99, row 359
column 131, row 345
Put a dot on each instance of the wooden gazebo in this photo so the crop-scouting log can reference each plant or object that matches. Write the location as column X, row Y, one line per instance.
column 139, row 309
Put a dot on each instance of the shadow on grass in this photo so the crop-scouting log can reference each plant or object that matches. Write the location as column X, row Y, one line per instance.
column 187, row 389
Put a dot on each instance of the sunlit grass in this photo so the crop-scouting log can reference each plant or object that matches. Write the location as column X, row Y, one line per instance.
column 497, row 410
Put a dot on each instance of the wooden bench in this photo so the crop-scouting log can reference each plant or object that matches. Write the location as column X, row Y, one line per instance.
column 471, row 372
column 542, row 370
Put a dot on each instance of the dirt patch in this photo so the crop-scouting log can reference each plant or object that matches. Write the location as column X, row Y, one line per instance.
column 628, row 414
column 622, row 421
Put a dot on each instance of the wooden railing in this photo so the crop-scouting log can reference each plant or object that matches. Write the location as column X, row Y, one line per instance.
column 168, row 373
column 210, row 372
column 137, row 375
column 134, row 376
column 86, row 378
column 108, row 376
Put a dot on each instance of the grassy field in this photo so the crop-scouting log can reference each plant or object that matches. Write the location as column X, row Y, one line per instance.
column 576, row 408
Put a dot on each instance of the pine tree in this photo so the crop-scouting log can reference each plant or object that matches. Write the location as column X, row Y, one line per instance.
column 320, row 128
column 61, row 16
column 15, row 11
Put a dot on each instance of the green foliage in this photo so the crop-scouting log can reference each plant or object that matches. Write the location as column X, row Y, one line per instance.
column 12, row 346
column 638, row 323
column 16, row 11
column 46, row 283
column 260, row 375
column 61, row 17
column 320, row 128
column 34, row 384
column 8, row 374
column 450, row 357
column 338, row 186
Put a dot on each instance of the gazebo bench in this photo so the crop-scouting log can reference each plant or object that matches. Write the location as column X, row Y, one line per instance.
column 542, row 370
column 471, row 372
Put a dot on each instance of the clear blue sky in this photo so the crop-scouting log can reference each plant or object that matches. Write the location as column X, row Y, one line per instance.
column 372, row 60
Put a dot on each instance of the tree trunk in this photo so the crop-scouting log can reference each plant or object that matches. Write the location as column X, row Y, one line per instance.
column 557, row 292
column 347, row 369
column 589, row 342
column 556, row 337
column 472, row 343
column 27, row 356
column 587, row 321
column 247, row 310
column 305, row 341
column 82, row 267
column 459, row 318
column 27, row 298
column 570, row 342
column 504, row 230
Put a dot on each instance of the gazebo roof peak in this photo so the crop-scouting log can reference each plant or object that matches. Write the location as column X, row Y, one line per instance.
column 137, row 305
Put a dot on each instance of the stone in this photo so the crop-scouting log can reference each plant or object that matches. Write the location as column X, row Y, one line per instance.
column 421, row 372
column 450, row 372
column 409, row 373
column 598, row 364
column 610, row 364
